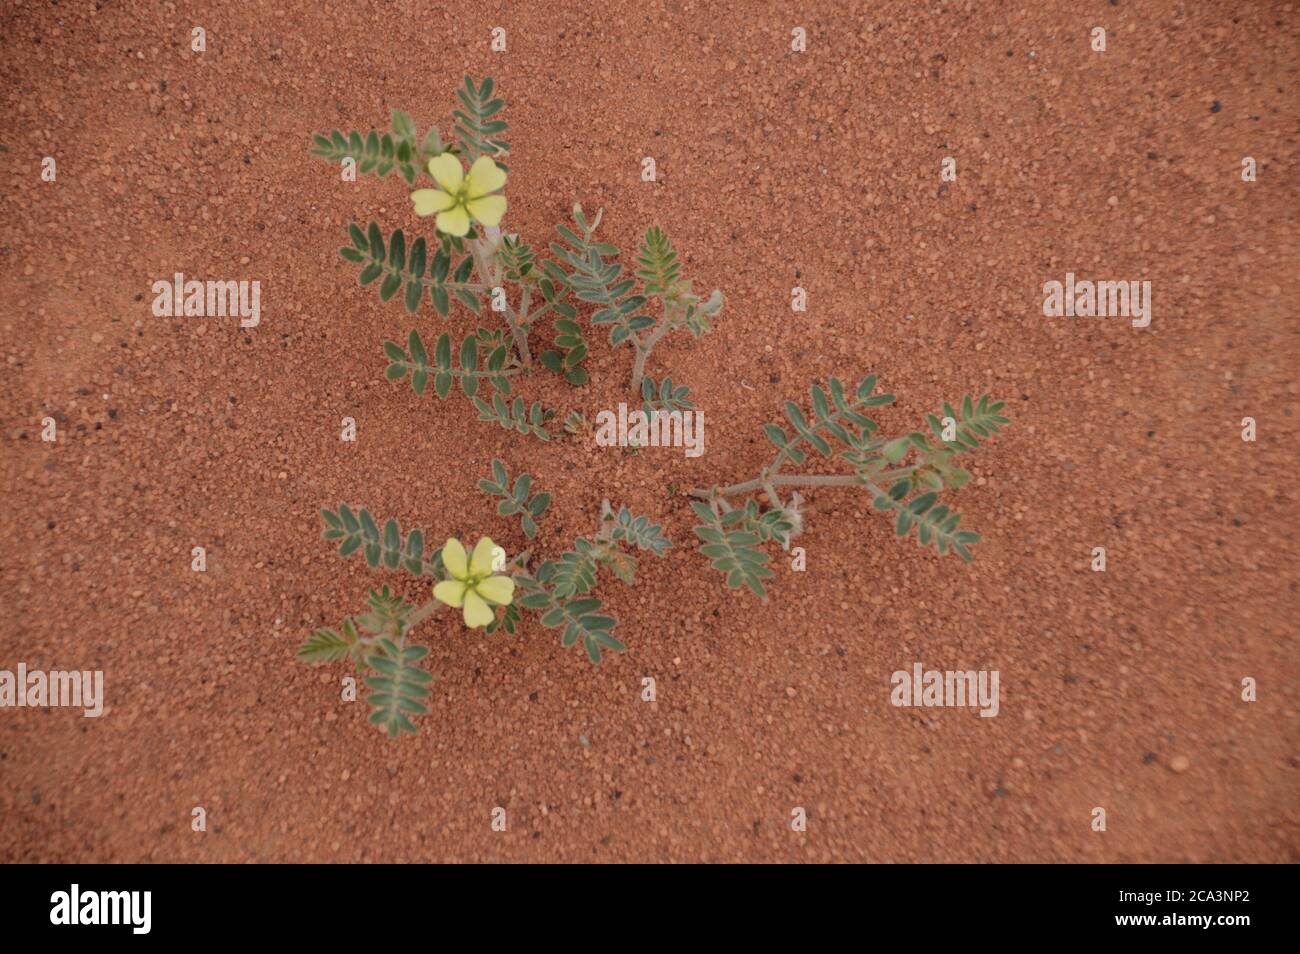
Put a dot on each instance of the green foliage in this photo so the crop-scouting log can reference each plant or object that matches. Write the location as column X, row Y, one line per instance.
column 562, row 587
column 578, row 619
column 387, row 616
column 489, row 339
column 732, row 547
column 935, row 525
column 413, row 269
column 329, row 645
column 977, row 420
column 375, row 640
column 664, row 396
column 574, row 572
column 518, row 260
column 777, row 524
column 509, row 620
column 572, row 350
column 661, row 276
column 837, row 417
column 443, row 271
column 400, row 150
column 476, row 130
column 397, row 687
column 697, row 314
column 520, row 265
column 581, row 621
column 659, row 271
column 516, row 416
column 358, row 531
column 595, row 280
column 915, row 469
column 515, row 500
column 639, row 532
column 473, row 365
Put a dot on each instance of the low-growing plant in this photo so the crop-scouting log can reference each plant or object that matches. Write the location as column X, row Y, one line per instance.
column 489, row 590
column 915, row 470
column 468, row 262
column 515, row 500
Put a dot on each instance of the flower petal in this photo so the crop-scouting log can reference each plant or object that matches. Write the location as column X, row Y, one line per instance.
column 453, row 558
column 447, row 172
column 488, row 209
column 454, row 221
column 451, row 592
column 480, row 564
column 477, row 613
column 429, row 201
column 496, row 589
column 484, row 176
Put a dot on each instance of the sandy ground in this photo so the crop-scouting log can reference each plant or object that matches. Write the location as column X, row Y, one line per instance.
column 1119, row 690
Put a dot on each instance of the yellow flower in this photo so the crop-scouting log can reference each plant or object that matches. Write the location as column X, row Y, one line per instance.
column 462, row 197
column 472, row 584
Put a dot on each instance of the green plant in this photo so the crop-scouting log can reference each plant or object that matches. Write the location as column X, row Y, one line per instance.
column 375, row 641
column 594, row 279
column 480, row 268
column 467, row 262
column 562, row 588
column 561, row 591
column 401, row 149
column 733, row 524
column 515, row 499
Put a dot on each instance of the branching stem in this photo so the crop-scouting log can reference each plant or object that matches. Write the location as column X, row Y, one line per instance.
column 643, row 349
column 484, row 250
column 770, row 481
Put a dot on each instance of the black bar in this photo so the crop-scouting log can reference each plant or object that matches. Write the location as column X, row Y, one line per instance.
column 336, row 904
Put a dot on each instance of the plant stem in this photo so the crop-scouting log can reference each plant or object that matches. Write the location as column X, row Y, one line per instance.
column 783, row 480
column 462, row 373
column 769, row 488
column 643, row 350
column 489, row 271
column 519, row 335
column 421, row 614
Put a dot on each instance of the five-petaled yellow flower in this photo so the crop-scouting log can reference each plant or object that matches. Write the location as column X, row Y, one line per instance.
column 472, row 584
column 462, row 197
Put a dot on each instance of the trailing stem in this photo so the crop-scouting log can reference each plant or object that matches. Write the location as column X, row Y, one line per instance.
column 488, row 266
column 643, row 349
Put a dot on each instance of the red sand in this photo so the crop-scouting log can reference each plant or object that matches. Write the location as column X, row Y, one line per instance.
column 775, row 169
